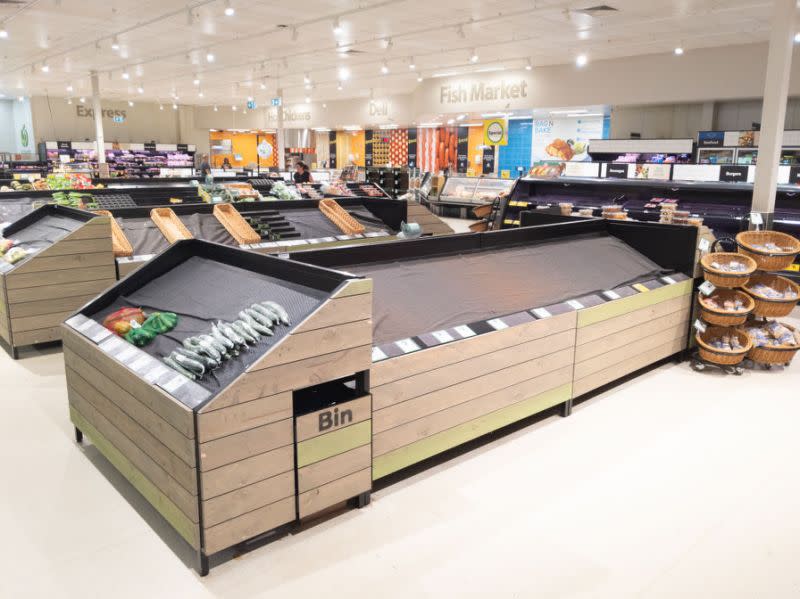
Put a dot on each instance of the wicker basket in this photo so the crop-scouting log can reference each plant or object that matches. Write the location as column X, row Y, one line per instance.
column 122, row 247
column 234, row 223
column 718, row 356
column 725, row 318
column 340, row 217
column 169, row 224
column 748, row 240
column 772, row 308
column 778, row 354
column 721, row 278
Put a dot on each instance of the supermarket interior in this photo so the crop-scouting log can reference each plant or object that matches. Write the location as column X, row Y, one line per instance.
column 386, row 297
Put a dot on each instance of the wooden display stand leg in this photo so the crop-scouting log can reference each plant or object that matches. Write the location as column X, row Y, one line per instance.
column 78, row 436
column 362, row 500
column 566, row 408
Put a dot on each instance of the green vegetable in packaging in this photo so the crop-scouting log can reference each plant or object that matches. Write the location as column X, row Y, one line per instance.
column 156, row 324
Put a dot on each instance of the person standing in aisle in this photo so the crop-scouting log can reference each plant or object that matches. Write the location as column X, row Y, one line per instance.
column 301, row 173
column 205, row 167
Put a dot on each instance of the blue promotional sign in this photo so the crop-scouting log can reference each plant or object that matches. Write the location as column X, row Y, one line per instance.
column 711, row 139
column 251, row 105
column 276, row 101
column 119, row 118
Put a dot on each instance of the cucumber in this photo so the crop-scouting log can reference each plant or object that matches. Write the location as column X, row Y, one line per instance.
column 273, row 316
column 207, row 362
column 178, row 368
column 279, row 310
column 192, row 366
column 237, row 326
column 254, row 324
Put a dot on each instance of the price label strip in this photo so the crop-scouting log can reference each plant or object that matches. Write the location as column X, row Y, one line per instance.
column 127, row 354
column 378, row 354
column 575, row 304
column 100, row 335
column 612, row 295
column 497, row 324
column 140, row 363
column 639, row 287
column 407, row 345
column 442, row 336
column 541, row 313
column 464, row 331
column 669, row 280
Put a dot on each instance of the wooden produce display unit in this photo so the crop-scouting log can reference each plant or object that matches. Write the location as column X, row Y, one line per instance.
column 70, row 261
column 220, row 461
column 427, row 220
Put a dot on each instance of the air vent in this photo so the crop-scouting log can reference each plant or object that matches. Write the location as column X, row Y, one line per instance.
column 597, row 10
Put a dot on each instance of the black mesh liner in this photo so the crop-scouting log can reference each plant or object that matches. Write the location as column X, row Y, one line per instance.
column 206, row 226
column 417, row 296
column 144, row 236
column 11, row 210
column 312, row 224
column 45, row 232
column 203, row 291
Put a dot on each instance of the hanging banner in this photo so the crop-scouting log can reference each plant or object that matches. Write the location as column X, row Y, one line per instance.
column 565, row 139
column 495, row 132
column 488, row 160
column 462, row 150
column 412, row 148
column 332, row 149
column 369, row 147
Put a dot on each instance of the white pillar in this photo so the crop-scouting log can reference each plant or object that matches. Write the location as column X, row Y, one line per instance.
column 280, row 138
column 773, row 117
column 98, row 119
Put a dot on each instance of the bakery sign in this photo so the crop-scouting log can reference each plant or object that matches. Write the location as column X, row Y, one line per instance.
column 466, row 92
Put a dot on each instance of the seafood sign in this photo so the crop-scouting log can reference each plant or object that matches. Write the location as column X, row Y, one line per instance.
column 480, row 92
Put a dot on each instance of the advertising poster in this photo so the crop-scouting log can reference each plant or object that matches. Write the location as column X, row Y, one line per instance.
column 332, row 148
column 488, row 160
column 495, row 132
column 412, row 148
column 369, row 147
column 564, row 139
column 462, row 152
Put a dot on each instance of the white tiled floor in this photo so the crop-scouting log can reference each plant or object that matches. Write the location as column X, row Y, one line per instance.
column 675, row 484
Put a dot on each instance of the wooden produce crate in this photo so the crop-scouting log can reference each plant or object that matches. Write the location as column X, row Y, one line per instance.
column 169, row 224
column 233, row 222
column 122, row 247
column 39, row 292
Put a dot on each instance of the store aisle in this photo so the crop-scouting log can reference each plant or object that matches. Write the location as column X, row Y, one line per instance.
column 674, row 484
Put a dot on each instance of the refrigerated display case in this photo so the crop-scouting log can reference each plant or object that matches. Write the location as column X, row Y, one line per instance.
column 461, row 194
column 716, row 155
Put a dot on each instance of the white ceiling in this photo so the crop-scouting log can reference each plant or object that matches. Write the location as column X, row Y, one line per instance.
column 164, row 48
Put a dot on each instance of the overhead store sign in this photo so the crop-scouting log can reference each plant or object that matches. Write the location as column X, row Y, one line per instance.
column 480, row 91
column 495, row 132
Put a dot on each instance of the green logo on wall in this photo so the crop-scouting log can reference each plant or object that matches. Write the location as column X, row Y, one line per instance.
column 23, row 136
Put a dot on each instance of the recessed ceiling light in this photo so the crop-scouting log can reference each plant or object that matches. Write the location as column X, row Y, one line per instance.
column 126, row 75
column 115, row 43
column 419, row 77
column 229, row 10
column 130, row 102
column 210, row 57
column 21, row 98
column 339, row 86
column 262, row 85
column 195, row 81
column 82, row 100
column 3, row 33
column 528, row 65
column 308, row 100
column 581, row 60
column 385, row 68
column 337, row 26
column 69, row 100
column 69, row 87
column 474, row 56
column 678, row 51
column 140, row 89
column 344, row 73
column 200, row 94
column 215, row 108
column 161, row 107
column 174, row 106
column 45, row 67
column 233, row 108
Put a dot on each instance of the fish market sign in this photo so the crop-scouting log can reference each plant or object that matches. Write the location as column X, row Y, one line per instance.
column 480, row 91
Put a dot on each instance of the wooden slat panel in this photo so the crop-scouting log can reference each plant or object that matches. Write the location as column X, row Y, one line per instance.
column 70, row 261
column 49, row 306
column 249, row 525
column 242, row 417
column 426, row 382
column 340, row 441
column 81, row 246
column 354, row 287
column 335, row 492
column 263, row 493
column 321, row 473
column 173, row 465
column 47, row 335
column 233, row 448
column 394, row 369
column 55, row 277
column 637, row 317
column 183, row 499
column 97, row 228
column 450, row 396
column 42, row 321
column 620, row 369
column 314, row 343
column 629, row 335
column 188, row 529
column 431, row 424
column 307, row 426
column 296, row 375
column 248, row 471
column 159, row 402
column 624, row 305
column 605, row 360
column 48, row 292
column 350, row 308
column 126, row 268
column 167, row 434
column 430, row 446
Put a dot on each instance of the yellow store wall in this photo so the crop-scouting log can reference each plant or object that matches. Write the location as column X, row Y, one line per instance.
column 245, row 145
column 474, row 144
column 349, row 143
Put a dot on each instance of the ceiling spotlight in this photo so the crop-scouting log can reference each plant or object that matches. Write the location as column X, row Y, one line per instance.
column 473, row 56
column 339, row 86
column 385, row 68
column 215, row 108
column 306, row 79
column 200, row 94
column 69, row 100
column 115, row 43
column 126, row 75
column 45, row 67
column 583, row 34
column 419, row 77
column 262, row 85
column 460, row 32
column 308, row 100
column 337, row 26
column 140, row 89
column 161, row 107
column 3, row 33
column 678, row 51
column 344, row 73
column 412, row 65
column 21, row 98
column 82, row 100
column 195, row 81
column 69, row 87
column 174, row 106
column 581, row 60
column 796, row 36
column 233, row 107
column 210, row 57
column 229, row 10
column 130, row 102
column 528, row 65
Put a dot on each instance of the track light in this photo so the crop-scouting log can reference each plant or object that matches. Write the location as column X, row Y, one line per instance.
column 126, row 75
column 337, row 26
column 678, row 51
column 412, row 65
column 115, row 43
column 45, row 67
column 385, row 68
column 473, row 56
column 174, row 106
column 528, row 65
column 196, row 80
column 229, row 10
column 3, row 32
column 140, row 89
column 130, row 102
column 581, row 60
column 210, row 57
column 460, row 32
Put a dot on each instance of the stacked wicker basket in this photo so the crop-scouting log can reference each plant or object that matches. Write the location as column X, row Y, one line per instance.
column 747, row 293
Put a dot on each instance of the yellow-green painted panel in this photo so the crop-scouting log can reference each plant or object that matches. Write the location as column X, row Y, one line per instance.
column 326, row 446
column 622, row 306
column 171, row 512
column 421, row 450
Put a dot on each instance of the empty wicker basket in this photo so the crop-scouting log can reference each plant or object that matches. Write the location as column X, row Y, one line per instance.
column 235, row 224
column 169, row 224
column 726, row 278
column 773, row 307
column 721, row 316
column 340, row 217
column 754, row 244
column 709, row 353
column 122, row 247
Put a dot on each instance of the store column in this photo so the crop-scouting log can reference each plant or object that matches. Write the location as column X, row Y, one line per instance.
column 98, row 125
column 773, row 117
column 279, row 137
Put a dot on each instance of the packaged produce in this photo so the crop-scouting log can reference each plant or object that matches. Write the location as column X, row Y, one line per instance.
column 732, row 266
column 771, row 247
column 726, row 343
column 5, row 245
column 772, row 334
column 121, row 321
column 15, row 254
column 156, row 324
column 772, row 293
